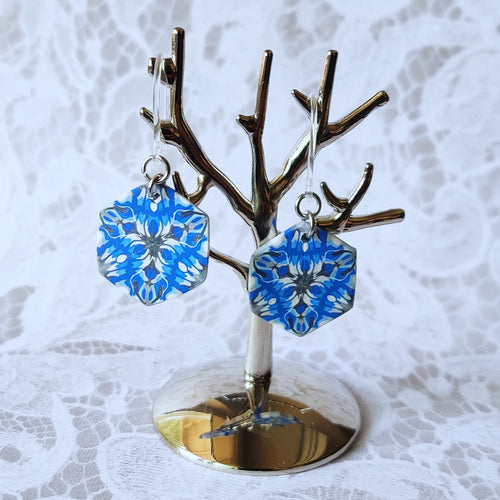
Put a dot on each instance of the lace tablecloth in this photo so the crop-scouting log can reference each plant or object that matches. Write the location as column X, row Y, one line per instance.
column 80, row 362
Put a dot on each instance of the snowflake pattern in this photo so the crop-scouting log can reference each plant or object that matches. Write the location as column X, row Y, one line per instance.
column 302, row 281
column 155, row 248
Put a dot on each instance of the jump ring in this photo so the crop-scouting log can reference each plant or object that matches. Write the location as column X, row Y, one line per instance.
column 311, row 219
column 309, row 213
column 151, row 185
column 162, row 177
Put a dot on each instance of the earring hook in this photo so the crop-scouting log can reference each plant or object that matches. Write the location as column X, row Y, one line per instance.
column 311, row 151
column 309, row 194
column 158, row 104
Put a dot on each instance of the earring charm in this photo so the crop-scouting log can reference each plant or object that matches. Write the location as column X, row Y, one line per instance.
column 305, row 277
column 153, row 241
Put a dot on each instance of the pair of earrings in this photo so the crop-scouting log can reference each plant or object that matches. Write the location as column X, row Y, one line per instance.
column 155, row 242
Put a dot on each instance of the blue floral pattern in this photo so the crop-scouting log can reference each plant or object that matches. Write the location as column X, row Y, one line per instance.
column 301, row 279
column 155, row 248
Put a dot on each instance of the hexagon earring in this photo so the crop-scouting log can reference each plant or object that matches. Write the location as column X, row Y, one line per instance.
column 152, row 240
column 304, row 277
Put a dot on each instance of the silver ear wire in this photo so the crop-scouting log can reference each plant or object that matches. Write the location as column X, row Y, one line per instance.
column 310, row 215
column 158, row 104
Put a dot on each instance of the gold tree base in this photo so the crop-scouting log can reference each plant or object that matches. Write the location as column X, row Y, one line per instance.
column 322, row 420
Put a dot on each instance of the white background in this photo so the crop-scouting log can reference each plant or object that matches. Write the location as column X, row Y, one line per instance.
column 80, row 361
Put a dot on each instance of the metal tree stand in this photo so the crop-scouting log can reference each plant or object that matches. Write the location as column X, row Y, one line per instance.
column 296, row 419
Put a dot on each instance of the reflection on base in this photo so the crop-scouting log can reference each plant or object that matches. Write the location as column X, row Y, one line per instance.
column 261, row 445
column 311, row 418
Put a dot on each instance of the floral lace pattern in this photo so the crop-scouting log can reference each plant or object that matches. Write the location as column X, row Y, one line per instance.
column 155, row 248
column 302, row 279
column 81, row 361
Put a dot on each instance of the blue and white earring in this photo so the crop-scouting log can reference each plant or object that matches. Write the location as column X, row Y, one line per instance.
column 304, row 277
column 152, row 240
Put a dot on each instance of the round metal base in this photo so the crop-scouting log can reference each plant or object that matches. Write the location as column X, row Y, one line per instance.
column 204, row 415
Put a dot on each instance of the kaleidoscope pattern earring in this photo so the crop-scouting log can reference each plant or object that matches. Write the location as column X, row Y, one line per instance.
column 153, row 241
column 302, row 279
column 305, row 277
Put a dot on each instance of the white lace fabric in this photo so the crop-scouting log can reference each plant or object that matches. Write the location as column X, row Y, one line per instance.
column 80, row 362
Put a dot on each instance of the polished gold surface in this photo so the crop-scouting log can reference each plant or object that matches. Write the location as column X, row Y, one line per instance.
column 311, row 439
column 308, row 418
